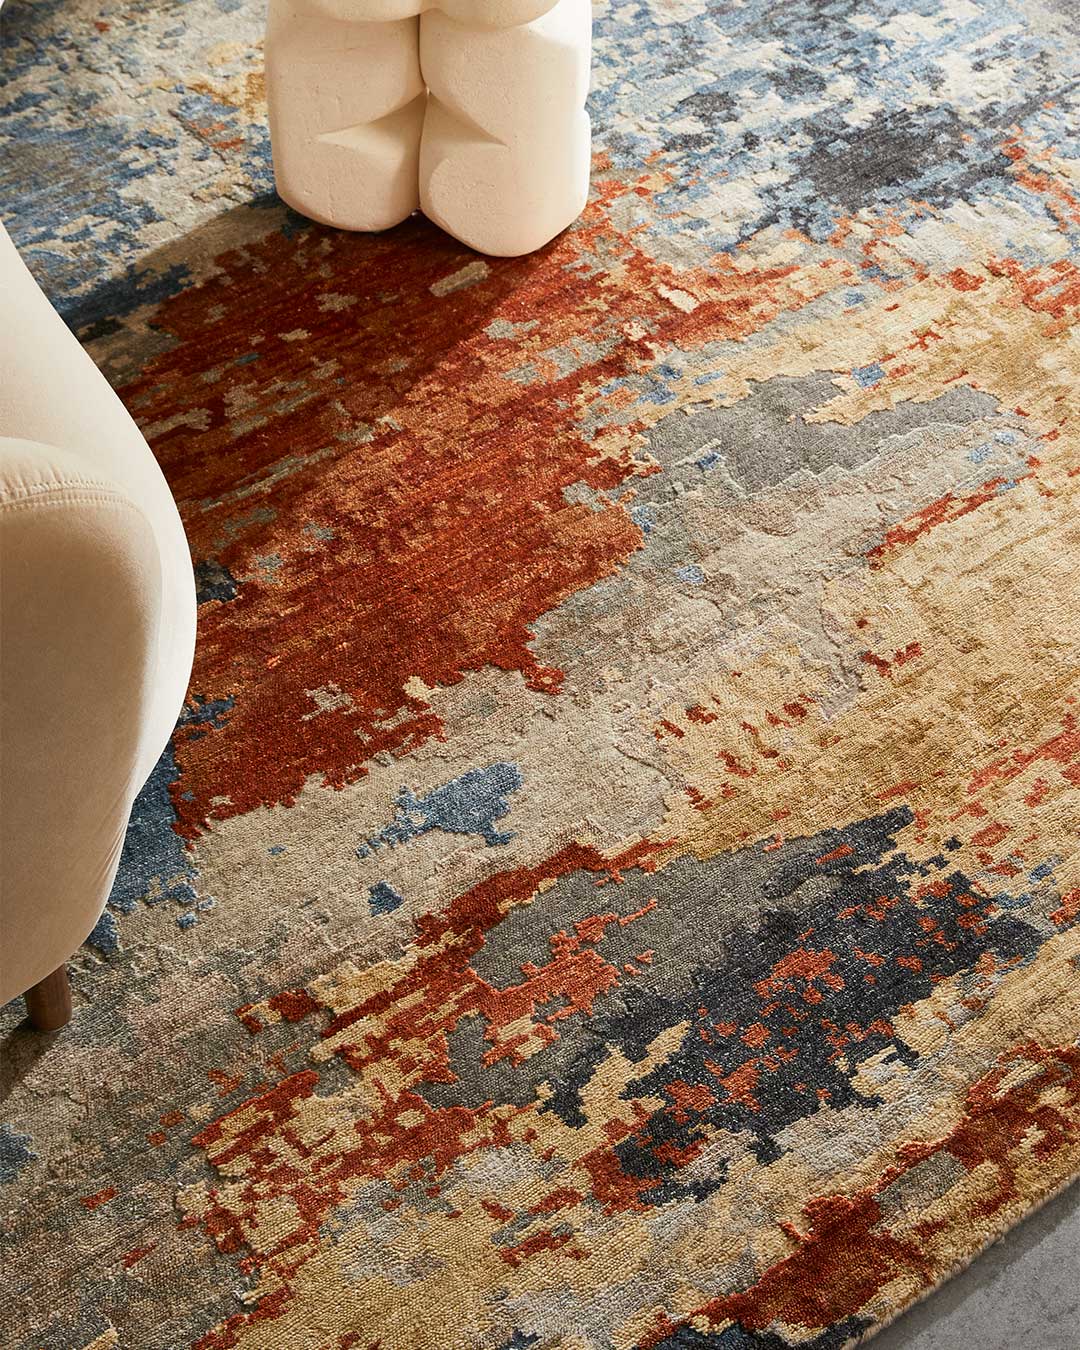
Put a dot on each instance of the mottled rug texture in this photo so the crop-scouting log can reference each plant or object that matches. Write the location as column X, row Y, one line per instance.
column 615, row 883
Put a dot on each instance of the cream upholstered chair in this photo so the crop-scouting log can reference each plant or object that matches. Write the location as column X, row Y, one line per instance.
column 97, row 630
column 472, row 109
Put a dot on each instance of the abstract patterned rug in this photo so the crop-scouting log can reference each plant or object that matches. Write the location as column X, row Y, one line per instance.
column 615, row 882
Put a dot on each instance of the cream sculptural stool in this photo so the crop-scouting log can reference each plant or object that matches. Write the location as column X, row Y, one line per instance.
column 97, row 630
column 472, row 109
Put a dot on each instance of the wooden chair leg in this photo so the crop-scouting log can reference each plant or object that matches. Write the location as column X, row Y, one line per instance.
column 49, row 1001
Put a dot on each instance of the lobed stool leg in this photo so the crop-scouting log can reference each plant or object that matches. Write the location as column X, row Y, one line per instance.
column 49, row 1001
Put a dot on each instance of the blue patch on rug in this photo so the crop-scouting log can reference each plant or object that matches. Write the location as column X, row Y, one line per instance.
column 383, row 899
column 470, row 804
column 155, row 866
column 15, row 1153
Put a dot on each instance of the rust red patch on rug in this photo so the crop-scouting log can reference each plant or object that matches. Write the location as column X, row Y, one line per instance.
column 386, row 474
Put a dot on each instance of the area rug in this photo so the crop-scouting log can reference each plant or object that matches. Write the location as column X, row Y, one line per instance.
column 615, row 883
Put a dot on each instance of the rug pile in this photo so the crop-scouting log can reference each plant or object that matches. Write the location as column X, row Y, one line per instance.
column 615, row 884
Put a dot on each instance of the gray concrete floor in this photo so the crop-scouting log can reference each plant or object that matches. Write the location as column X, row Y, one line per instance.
column 1023, row 1292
